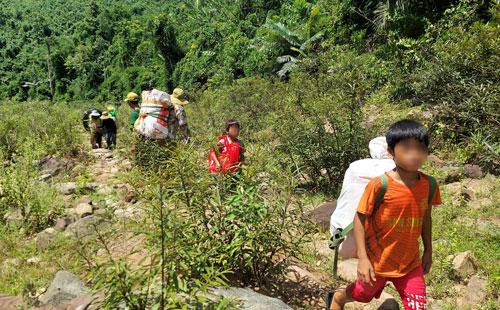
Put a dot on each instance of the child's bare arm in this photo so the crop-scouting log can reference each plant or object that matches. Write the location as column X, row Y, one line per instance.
column 365, row 268
column 214, row 158
column 427, row 240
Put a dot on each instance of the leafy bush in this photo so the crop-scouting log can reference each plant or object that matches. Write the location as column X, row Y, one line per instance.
column 205, row 230
column 28, row 133
column 462, row 85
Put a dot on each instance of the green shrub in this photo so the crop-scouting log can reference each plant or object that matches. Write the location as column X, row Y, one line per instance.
column 29, row 132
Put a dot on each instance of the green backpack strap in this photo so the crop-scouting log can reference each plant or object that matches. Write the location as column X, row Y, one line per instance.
column 340, row 234
column 432, row 189
column 381, row 192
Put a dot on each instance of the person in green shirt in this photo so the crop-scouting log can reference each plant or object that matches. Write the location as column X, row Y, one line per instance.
column 133, row 101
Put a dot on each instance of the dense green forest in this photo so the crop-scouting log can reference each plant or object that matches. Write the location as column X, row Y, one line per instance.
column 439, row 54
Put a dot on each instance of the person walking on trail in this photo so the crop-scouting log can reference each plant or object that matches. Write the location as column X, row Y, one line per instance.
column 387, row 234
column 86, row 117
column 109, row 126
column 133, row 102
column 179, row 102
column 159, row 118
column 229, row 154
column 96, row 129
column 356, row 177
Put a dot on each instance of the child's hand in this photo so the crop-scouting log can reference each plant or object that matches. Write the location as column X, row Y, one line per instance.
column 365, row 271
column 427, row 261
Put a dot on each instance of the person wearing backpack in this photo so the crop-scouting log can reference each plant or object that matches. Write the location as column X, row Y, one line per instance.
column 230, row 151
column 356, row 178
column 387, row 237
column 132, row 100
column 109, row 126
column 96, row 129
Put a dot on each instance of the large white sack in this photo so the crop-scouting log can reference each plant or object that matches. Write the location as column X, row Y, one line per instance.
column 356, row 178
column 154, row 117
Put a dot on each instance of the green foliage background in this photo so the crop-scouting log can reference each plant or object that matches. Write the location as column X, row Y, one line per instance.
column 310, row 81
column 441, row 55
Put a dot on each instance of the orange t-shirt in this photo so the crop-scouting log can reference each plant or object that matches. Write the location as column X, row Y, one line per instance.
column 393, row 229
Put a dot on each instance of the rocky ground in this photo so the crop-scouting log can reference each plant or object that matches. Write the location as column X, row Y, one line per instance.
column 105, row 198
column 93, row 205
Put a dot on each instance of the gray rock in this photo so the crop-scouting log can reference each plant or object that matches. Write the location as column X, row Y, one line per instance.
column 45, row 238
column 83, row 199
column 105, row 190
column 44, row 177
column 129, row 212
column 82, row 210
column 62, row 223
column 63, row 289
column 85, row 226
column 66, row 188
column 464, row 265
column 82, row 302
column 14, row 216
column 52, row 166
column 473, row 171
column 91, row 186
column 35, row 260
column 250, row 300
column 322, row 214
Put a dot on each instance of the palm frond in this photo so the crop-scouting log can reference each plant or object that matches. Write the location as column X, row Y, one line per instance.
column 286, row 58
column 311, row 40
column 282, row 31
column 286, row 69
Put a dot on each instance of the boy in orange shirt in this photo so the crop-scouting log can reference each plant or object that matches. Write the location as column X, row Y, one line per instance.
column 387, row 236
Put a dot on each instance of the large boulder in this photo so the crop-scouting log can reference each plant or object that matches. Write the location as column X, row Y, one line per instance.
column 63, row 289
column 249, row 299
column 85, row 226
column 322, row 214
column 51, row 166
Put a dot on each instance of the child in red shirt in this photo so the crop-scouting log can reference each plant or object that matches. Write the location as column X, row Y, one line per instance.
column 230, row 151
column 387, row 238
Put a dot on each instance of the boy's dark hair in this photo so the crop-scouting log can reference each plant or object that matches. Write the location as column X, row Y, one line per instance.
column 231, row 122
column 406, row 129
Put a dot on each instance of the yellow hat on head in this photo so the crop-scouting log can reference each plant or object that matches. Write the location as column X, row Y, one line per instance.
column 105, row 115
column 176, row 97
column 110, row 108
column 131, row 97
